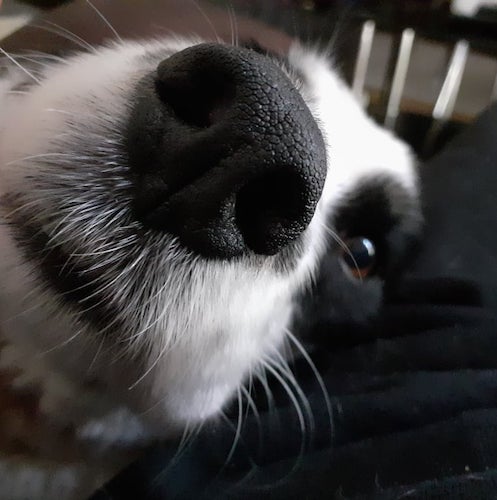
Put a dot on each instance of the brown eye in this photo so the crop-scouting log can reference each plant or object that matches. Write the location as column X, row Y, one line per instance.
column 359, row 256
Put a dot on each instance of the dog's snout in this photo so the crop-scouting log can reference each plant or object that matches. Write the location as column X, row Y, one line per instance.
column 224, row 152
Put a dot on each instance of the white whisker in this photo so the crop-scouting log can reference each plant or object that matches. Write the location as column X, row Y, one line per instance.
column 319, row 379
column 233, row 25
column 300, row 415
column 188, row 437
column 20, row 66
column 345, row 248
column 66, row 35
column 207, row 19
column 250, row 402
column 162, row 352
column 238, row 429
column 282, row 367
column 261, row 375
column 105, row 20
column 97, row 353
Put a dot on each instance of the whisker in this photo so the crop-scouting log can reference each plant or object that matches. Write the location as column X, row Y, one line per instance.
column 251, row 405
column 20, row 66
column 345, row 248
column 341, row 19
column 207, row 19
column 34, row 60
column 286, row 372
column 300, row 415
column 163, row 351
column 232, row 28
column 97, row 353
column 250, row 402
column 314, row 369
column 20, row 208
column 173, row 339
column 238, row 429
column 109, row 284
column 65, row 34
column 105, row 20
column 188, row 437
column 38, row 156
column 233, row 25
column 37, row 56
column 24, row 311
column 261, row 375
column 112, row 250
column 62, row 344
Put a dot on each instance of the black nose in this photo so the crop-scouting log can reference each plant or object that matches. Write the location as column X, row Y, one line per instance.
column 224, row 152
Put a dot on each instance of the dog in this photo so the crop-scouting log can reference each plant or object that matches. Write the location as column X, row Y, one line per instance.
column 168, row 210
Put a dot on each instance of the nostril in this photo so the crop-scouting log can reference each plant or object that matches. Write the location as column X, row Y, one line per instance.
column 200, row 98
column 269, row 211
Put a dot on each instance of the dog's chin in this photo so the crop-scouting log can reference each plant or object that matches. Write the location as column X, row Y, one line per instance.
column 180, row 355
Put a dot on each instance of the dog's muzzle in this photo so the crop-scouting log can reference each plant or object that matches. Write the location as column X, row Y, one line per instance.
column 224, row 153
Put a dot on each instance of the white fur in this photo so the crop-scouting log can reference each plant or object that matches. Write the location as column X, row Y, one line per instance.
column 190, row 343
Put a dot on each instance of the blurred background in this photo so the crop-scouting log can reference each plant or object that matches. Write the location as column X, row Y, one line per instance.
column 424, row 68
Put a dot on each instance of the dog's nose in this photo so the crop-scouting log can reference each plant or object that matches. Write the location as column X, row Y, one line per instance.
column 224, row 152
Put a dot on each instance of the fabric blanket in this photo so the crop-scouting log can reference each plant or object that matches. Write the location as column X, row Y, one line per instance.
column 411, row 401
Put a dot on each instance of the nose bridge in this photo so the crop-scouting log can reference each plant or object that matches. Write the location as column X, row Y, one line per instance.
column 240, row 158
column 256, row 116
column 243, row 93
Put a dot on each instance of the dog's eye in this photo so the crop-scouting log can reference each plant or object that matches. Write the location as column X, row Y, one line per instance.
column 359, row 256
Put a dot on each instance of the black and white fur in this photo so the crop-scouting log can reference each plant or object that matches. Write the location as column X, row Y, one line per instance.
column 182, row 333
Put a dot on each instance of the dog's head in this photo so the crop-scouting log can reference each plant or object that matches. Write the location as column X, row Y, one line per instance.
column 165, row 203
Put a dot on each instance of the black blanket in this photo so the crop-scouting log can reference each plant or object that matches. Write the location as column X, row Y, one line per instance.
column 411, row 411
